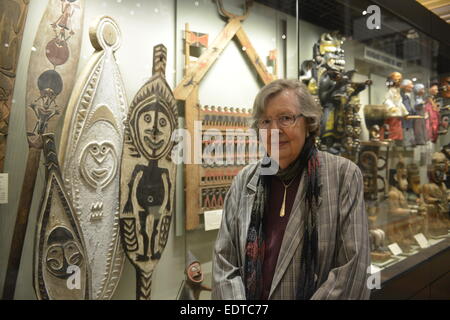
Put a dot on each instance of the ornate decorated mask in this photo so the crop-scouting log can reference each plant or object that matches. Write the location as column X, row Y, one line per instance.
column 62, row 252
column 330, row 49
column 194, row 272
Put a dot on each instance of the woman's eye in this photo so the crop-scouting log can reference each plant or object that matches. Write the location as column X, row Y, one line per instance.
column 147, row 118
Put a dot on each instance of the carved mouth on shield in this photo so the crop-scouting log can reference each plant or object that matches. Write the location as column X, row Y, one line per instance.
column 154, row 145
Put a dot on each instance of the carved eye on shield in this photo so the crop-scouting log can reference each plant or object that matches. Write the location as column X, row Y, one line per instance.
column 147, row 118
column 162, row 122
column 72, row 253
column 95, row 150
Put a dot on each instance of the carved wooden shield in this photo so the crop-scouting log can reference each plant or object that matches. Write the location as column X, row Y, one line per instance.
column 148, row 174
column 13, row 14
column 51, row 74
column 61, row 270
column 91, row 149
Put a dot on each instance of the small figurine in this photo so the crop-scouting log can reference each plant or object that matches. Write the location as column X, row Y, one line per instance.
column 193, row 284
column 436, row 198
column 446, row 151
column 408, row 125
column 399, row 228
column 379, row 253
column 444, row 89
column 374, row 133
column 395, row 107
column 413, row 197
column 432, row 113
column 420, row 127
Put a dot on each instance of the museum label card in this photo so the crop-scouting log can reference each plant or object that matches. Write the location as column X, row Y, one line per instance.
column 212, row 219
column 395, row 249
column 421, row 240
column 3, row 188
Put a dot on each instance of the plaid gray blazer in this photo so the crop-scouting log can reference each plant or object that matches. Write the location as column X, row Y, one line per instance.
column 344, row 249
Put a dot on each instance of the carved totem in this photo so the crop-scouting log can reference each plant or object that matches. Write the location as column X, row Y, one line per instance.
column 90, row 153
column 148, row 174
column 325, row 76
column 13, row 14
column 61, row 270
column 51, row 75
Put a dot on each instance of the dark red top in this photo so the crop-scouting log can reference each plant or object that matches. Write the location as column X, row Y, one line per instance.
column 274, row 227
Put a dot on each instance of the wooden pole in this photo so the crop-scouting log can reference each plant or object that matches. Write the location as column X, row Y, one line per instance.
column 20, row 228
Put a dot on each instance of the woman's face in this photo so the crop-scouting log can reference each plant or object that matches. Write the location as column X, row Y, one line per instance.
column 291, row 139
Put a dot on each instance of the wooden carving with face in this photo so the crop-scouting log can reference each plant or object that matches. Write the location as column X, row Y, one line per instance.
column 148, row 174
column 436, row 197
column 61, row 269
column 51, row 75
column 91, row 150
column 12, row 21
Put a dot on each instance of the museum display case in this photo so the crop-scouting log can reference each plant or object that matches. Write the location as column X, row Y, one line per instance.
column 124, row 122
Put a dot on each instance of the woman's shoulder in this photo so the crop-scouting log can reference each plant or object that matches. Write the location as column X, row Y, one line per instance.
column 246, row 174
column 338, row 164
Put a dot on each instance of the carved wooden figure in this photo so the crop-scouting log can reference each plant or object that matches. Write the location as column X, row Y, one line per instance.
column 90, row 153
column 148, row 174
column 399, row 228
column 51, row 74
column 60, row 268
column 436, row 198
column 13, row 14
column 193, row 285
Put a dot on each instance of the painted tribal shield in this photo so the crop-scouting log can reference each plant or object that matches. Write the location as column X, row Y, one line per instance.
column 91, row 148
column 53, row 63
column 148, row 174
column 51, row 74
column 60, row 269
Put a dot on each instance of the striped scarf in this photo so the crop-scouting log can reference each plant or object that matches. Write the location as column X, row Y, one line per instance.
column 254, row 253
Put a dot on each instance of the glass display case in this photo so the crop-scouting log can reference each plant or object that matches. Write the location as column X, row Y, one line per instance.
column 81, row 79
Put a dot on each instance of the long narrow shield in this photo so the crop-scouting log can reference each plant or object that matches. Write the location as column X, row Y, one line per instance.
column 54, row 57
column 90, row 153
column 148, row 174
column 60, row 269
column 13, row 14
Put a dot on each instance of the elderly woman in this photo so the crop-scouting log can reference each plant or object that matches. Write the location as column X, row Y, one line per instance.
column 301, row 233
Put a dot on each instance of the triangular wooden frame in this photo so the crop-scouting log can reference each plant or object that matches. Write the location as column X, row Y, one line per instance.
column 187, row 92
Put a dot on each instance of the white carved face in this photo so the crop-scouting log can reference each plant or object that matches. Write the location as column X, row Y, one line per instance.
column 99, row 164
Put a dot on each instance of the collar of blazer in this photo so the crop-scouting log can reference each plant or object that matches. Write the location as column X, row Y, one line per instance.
column 293, row 235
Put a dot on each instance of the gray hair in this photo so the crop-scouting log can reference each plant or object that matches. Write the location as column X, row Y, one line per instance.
column 305, row 102
column 405, row 82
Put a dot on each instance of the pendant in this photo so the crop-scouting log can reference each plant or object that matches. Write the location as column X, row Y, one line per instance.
column 283, row 206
